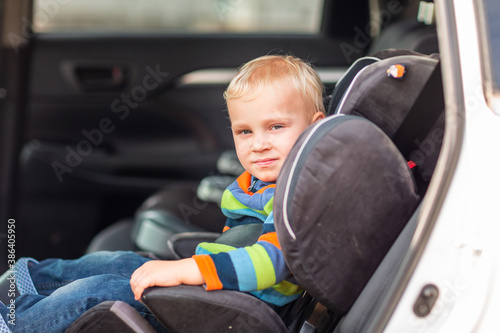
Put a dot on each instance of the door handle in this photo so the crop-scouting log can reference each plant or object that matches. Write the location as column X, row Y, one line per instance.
column 100, row 78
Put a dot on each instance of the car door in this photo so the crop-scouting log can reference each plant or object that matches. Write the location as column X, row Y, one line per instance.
column 123, row 98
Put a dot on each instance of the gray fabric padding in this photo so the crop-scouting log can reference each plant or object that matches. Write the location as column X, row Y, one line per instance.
column 370, row 299
column 193, row 309
column 343, row 84
column 343, row 196
column 386, row 101
column 427, row 153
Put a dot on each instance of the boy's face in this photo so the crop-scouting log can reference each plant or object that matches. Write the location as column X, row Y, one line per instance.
column 265, row 129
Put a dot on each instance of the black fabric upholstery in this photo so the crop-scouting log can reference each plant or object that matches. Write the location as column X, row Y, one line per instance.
column 110, row 317
column 116, row 237
column 343, row 196
column 173, row 209
column 183, row 245
column 181, row 201
column 383, row 100
column 370, row 299
column 192, row 309
column 387, row 102
column 391, row 53
column 343, row 84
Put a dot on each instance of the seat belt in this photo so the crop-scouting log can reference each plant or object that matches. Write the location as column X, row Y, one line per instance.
column 425, row 111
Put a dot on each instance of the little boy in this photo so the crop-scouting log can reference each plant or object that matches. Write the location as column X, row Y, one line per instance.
column 271, row 101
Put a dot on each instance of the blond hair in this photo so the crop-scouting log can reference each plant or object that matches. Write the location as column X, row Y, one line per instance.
column 276, row 72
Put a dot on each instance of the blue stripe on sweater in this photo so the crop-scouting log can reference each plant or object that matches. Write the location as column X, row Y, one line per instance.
column 245, row 270
column 223, row 263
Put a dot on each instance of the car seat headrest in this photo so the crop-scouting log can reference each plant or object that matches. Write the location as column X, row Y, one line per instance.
column 390, row 102
column 382, row 99
column 342, row 197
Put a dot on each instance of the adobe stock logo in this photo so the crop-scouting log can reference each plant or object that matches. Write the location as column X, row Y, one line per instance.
column 121, row 108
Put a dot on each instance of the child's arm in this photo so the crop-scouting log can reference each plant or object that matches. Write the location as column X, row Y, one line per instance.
column 165, row 273
column 249, row 268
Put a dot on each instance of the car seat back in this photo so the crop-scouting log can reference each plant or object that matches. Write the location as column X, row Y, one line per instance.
column 423, row 123
column 336, row 214
column 408, row 106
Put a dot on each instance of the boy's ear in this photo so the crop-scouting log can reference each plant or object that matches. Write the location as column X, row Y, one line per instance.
column 318, row 116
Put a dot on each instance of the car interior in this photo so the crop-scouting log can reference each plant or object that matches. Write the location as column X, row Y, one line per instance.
column 125, row 146
column 325, row 244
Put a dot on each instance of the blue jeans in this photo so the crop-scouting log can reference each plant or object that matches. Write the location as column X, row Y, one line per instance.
column 68, row 288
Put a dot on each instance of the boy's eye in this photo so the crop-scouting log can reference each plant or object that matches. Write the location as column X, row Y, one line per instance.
column 244, row 132
column 276, row 127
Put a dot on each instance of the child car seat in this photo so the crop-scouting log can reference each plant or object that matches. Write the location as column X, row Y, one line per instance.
column 344, row 194
column 331, row 245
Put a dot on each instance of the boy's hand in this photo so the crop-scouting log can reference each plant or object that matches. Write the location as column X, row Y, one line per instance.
column 165, row 273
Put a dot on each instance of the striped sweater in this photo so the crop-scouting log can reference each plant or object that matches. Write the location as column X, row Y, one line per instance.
column 260, row 268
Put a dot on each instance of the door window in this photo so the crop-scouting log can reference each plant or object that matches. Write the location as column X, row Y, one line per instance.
column 178, row 16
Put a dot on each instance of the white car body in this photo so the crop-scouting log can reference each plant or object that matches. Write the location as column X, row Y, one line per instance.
column 455, row 247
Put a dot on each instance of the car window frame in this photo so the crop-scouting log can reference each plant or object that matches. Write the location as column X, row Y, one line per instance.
column 445, row 168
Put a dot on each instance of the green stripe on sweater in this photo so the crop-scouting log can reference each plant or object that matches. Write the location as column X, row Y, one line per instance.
column 264, row 268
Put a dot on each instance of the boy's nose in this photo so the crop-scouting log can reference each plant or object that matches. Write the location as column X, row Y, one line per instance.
column 261, row 142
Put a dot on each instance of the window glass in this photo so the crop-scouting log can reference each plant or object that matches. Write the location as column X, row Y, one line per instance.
column 492, row 8
column 178, row 16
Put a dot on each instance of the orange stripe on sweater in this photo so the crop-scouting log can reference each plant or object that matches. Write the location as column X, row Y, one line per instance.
column 244, row 182
column 271, row 237
column 265, row 188
column 208, row 271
